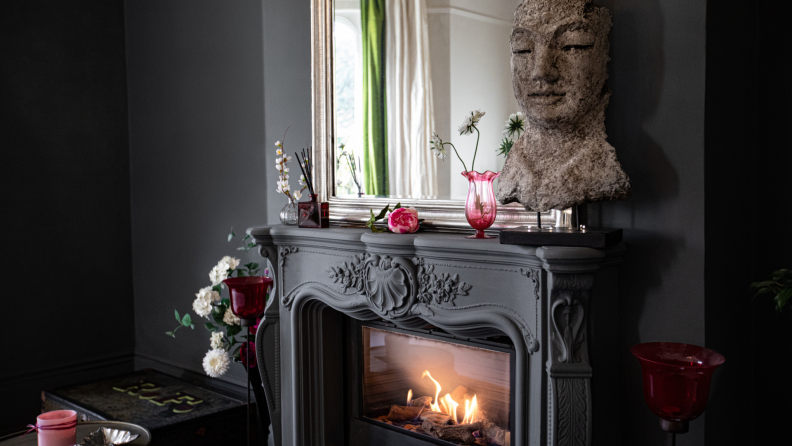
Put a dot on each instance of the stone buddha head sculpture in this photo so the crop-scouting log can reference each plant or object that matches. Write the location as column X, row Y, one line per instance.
column 559, row 68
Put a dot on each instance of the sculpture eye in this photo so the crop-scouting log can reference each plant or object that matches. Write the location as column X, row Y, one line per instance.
column 570, row 48
column 523, row 51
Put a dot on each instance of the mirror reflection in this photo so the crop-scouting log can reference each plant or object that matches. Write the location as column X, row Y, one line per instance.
column 405, row 69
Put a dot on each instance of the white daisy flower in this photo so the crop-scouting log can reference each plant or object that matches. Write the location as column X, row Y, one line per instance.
column 202, row 306
column 230, row 261
column 230, row 318
column 218, row 274
column 470, row 121
column 216, row 341
column 216, row 362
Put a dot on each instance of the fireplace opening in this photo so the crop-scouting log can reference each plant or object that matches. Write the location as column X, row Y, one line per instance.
column 437, row 387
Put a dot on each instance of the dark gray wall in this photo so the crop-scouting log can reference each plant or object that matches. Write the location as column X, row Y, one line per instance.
column 196, row 89
column 748, row 160
column 656, row 122
column 65, row 181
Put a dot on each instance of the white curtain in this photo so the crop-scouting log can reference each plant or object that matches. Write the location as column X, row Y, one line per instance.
column 412, row 167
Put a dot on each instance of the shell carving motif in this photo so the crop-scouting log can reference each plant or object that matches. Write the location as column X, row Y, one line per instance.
column 386, row 288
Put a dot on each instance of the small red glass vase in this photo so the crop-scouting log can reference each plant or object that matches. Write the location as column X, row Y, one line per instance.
column 676, row 380
column 480, row 206
column 248, row 297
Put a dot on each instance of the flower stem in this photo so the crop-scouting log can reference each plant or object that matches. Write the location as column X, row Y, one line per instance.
column 473, row 166
column 457, row 154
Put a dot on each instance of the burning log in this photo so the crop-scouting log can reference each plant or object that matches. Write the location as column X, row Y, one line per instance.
column 494, row 434
column 404, row 413
column 421, row 401
column 435, row 417
column 456, row 433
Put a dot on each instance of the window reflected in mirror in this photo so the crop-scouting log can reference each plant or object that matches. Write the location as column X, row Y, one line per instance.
column 405, row 69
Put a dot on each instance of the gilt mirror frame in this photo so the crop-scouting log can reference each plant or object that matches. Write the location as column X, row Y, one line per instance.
column 439, row 215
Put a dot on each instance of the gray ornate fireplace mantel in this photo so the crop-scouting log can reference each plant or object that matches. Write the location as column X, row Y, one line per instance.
column 559, row 307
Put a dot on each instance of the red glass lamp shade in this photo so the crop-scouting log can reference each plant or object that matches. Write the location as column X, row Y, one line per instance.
column 248, row 297
column 676, row 378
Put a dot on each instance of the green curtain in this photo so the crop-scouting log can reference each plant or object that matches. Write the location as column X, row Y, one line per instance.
column 375, row 139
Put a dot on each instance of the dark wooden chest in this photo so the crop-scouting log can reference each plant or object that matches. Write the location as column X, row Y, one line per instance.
column 175, row 411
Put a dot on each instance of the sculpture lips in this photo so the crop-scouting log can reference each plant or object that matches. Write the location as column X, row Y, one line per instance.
column 549, row 97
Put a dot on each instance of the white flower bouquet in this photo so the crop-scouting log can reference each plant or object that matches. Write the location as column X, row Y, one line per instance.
column 281, row 163
column 209, row 303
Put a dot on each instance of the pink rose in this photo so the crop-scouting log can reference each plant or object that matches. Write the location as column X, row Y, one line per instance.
column 403, row 221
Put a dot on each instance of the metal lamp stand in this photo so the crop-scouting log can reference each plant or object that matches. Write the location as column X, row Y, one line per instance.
column 673, row 428
column 248, row 323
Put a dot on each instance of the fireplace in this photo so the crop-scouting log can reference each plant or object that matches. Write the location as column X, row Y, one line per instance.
column 431, row 386
column 383, row 339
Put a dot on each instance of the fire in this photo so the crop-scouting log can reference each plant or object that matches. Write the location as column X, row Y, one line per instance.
column 409, row 397
column 449, row 406
column 434, row 406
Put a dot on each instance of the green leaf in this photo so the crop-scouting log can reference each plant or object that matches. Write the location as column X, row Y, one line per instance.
column 234, row 330
column 231, row 235
column 398, row 206
column 218, row 288
column 178, row 319
column 186, row 320
column 783, row 297
column 246, row 237
column 210, row 326
column 218, row 316
column 170, row 333
column 226, row 302
column 763, row 291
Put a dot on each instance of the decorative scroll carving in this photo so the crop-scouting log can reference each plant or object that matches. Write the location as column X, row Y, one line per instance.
column 388, row 284
column 283, row 251
column 567, row 315
column 572, row 411
column 443, row 289
column 535, row 276
column 351, row 275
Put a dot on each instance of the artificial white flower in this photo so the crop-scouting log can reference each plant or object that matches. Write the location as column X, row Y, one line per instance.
column 286, row 169
column 515, row 126
column 230, row 261
column 279, row 166
column 208, row 294
column 216, row 341
column 278, row 144
column 279, row 152
column 218, row 274
column 470, row 122
column 297, row 195
column 202, row 306
column 302, row 180
column 216, row 362
column 438, row 146
column 230, row 318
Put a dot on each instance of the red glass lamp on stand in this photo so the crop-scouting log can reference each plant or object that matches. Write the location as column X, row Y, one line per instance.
column 676, row 382
column 248, row 300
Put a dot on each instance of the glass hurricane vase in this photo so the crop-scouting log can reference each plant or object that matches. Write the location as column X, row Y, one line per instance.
column 480, row 206
column 248, row 297
column 288, row 215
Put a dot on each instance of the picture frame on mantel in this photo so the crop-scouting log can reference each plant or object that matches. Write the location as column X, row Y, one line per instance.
column 439, row 215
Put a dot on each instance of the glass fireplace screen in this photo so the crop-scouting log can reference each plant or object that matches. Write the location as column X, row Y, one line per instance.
column 445, row 390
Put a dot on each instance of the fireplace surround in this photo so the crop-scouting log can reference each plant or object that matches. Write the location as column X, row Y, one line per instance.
column 543, row 317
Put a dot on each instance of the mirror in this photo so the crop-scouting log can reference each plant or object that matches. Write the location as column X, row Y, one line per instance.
column 465, row 65
column 405, row 69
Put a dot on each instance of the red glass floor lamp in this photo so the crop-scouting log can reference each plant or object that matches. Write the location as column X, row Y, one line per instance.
column 248, row 300
column 676, row 382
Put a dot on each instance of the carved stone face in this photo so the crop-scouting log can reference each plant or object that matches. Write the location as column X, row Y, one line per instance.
column 559, row 59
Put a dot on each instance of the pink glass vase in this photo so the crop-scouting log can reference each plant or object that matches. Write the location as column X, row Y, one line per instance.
column 480, row 206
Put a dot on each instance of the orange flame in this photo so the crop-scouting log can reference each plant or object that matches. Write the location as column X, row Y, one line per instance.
column 434, row 406
column 409, row 397
column 448, row 404
column 471, row 411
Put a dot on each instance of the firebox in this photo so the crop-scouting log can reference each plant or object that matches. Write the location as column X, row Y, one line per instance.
column 433, row 386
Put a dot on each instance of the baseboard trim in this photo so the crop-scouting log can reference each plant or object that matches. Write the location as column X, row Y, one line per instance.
column 71, row 368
